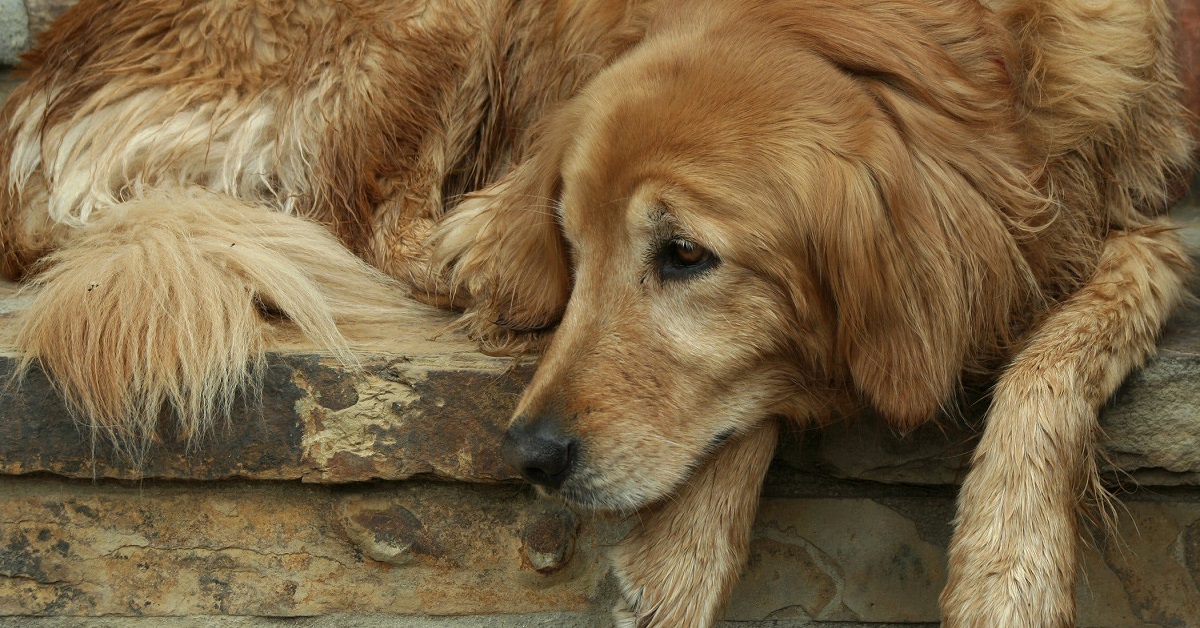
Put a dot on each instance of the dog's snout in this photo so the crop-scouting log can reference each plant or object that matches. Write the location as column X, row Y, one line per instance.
column 540, row 450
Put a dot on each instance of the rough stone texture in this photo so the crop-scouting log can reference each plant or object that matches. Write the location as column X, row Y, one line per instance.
column 540, row 620
column 273, row 549
column 393, row 419
column 403, row 414
column 43, row 12
column 14, row 31
column 420, row 548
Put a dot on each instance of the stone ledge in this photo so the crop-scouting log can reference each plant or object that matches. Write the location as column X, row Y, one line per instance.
column 437, row 408
column 424, row 549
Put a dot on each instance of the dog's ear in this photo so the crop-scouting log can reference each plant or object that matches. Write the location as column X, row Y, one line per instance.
column 503, row 245
column 917, row 289
column 916, row 231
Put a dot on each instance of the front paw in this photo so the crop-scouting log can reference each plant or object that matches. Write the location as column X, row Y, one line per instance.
column 457, row 251
column 505, row 264
column 1010, row 567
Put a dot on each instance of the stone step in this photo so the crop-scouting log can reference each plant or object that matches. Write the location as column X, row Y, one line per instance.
column 404, row 413
column 422, row 549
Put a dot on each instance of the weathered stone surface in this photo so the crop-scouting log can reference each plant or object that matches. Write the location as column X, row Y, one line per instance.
column 162, row 549
column 539, row 620
column 868, row 449
column 280, row 550
column 38, row 434
column 1153, row 430
column 314, row 420
column 422, row 407
column 838, row 560
column 14, row 31
column 43, row 12
column 409, row 418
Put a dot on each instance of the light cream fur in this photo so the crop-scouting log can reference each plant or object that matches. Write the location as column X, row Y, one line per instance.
column 706, row 526
column 1036, row 466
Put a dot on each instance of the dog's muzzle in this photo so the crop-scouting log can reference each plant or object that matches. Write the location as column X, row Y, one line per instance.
column 540, row 450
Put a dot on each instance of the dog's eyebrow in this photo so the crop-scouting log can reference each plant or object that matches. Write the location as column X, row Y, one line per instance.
column 664, row 225
column 662, row 216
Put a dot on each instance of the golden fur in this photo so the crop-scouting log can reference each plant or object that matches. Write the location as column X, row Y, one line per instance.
column 712, row 215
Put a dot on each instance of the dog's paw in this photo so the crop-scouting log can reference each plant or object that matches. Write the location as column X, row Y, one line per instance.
column 504, row 265
column 624, row 616
column 1012, row 560
column 1005, row 598
column 456, row 263
column 639, row 605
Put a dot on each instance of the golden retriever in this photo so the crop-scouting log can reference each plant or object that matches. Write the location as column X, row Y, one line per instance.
column 715, row 216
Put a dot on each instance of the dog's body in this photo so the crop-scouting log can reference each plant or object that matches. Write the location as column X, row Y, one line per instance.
column 734, row 213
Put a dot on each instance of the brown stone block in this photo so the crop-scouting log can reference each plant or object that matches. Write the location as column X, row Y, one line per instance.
column 412, row 418
column 261, row 440
column 283, row 550
column 314, row 420
column 883, row 560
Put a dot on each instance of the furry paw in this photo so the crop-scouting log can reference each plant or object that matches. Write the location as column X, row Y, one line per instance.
column 505, row 264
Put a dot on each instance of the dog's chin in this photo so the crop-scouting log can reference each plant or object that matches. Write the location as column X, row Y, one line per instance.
column 596, row 487
column 604, row 502
column 605, row 494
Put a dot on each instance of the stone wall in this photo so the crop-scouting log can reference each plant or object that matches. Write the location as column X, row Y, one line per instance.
column 377, row 498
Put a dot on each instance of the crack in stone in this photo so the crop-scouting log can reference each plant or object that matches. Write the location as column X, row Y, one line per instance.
column 217, row 550
column 21, row 576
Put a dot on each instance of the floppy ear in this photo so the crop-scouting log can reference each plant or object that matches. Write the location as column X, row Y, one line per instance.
column 918, row 290
column 503, row 248
column 916, row 233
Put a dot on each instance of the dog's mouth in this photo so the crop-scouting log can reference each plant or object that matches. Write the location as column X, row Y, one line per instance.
column 620, row 486
column 592, row 490
column 595, row 493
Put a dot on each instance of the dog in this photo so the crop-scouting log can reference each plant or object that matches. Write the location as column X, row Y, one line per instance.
column 711, row 217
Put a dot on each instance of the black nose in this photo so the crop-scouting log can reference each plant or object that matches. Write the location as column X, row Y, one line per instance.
column 540, row 451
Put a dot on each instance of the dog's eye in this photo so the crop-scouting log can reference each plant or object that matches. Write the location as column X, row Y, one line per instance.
column 681, row 258
column 688, row 253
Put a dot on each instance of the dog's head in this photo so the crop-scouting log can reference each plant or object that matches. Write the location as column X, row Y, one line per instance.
column 765, row 209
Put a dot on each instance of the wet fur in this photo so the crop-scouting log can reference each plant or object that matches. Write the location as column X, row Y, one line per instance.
column 978, row 196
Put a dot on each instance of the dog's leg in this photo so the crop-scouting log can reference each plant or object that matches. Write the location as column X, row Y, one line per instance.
column 1013, row 558
column 679, row 564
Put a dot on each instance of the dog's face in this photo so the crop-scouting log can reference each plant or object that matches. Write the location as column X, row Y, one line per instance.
column 681, row 329
column 751, row 232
